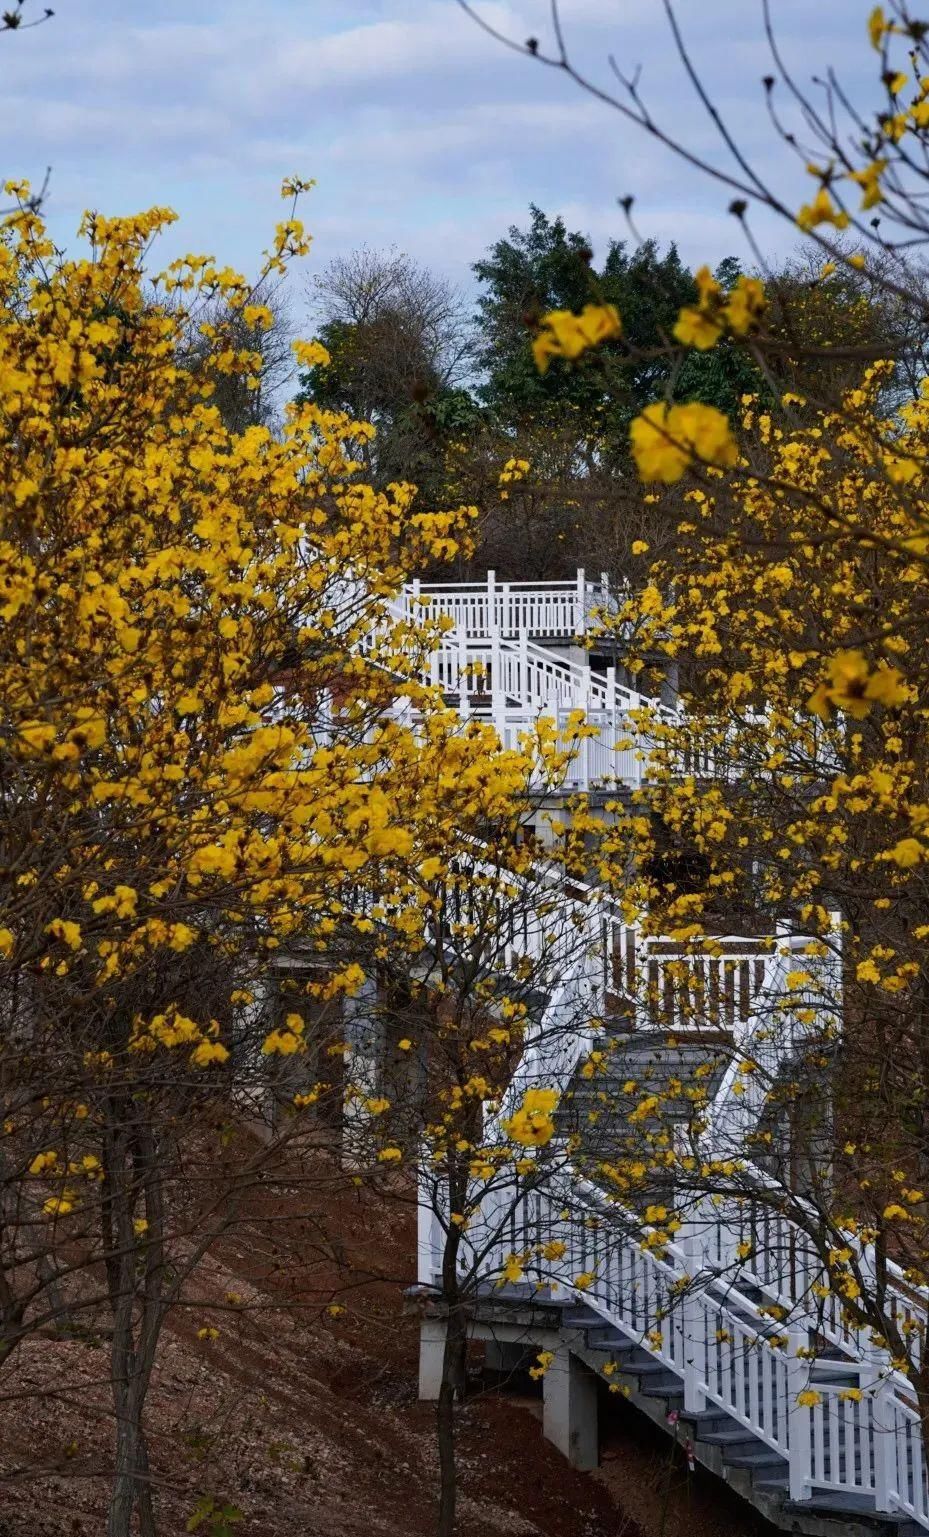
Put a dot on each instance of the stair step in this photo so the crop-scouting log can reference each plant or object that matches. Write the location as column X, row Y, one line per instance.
column 660, row 1386
column 735, row 1435
column 612, row 1340
column 605, row 1333
column 764, row 1457
column 772, row 1478
column 836, row 1503
column 706, row 1421
column 649, row 1368
column 579, row 1316
column 513, row 1291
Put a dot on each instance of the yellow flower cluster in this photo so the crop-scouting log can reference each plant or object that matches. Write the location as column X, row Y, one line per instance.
column 532, row 1124
column 667, row 440
column 563, row 334
column 173, row 1029
column 716, row 312
column 286, row 1041
column 513, row 469
column 853, row 686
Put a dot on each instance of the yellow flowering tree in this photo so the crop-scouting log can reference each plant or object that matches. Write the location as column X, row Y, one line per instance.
column 790, row 600
column 207, row 758
column 502, row 985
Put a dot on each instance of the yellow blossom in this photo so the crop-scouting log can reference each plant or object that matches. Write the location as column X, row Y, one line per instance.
column 822, row 210
column 667, row 440
column 563, row 334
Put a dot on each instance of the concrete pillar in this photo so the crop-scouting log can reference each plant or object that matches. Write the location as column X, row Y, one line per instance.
column 569, row 1409
column 364, row 1070
column 431, row 1355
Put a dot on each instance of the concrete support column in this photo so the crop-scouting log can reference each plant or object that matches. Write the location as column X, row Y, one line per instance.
column 569, row 1409
column 431, row 1354
column 364, row 1070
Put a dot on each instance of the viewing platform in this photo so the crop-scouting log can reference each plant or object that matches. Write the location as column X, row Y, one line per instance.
column 556, row 612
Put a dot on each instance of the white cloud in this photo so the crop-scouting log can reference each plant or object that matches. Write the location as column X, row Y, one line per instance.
column 420, row 129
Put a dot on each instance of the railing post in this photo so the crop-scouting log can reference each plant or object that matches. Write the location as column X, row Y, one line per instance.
column 523, row 680
column 834, row 961
column 694, row 1327
column 492, row 620
column 416, row 585
column 464, row 702
column 428, row 1229
column 581, row 627
column 799, row 1419
column 611, row 691
column 497, row 687
column 883, row 1429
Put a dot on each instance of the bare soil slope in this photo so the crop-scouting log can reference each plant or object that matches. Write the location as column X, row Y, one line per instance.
column 306, row 1422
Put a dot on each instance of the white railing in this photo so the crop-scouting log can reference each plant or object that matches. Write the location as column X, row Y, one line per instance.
column 484, row 669
column 496, row 672
column 721, row 1346
column 693, row 1304
column 860, row 1435
column 614, row 756
column 514, row 683
column 547, row 610
column 711, row 985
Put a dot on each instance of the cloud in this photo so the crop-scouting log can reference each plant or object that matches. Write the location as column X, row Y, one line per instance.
column 420, row 128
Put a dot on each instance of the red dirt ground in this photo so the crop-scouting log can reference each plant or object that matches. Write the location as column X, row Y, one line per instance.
column 308, row 1423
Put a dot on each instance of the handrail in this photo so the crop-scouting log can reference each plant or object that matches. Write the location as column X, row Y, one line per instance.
column 857, row 1435
column 425, row 588
column 694, row 1305
column 533, row 674
column 562, row 609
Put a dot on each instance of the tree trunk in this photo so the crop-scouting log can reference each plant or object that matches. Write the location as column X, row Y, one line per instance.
column 123, row 1493
column 143, row 1489
column 132, row 1489
column 452, row 1386
column 136, row 1301
column 453, row 1358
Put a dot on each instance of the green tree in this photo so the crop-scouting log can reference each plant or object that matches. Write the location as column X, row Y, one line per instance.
column 547, row 266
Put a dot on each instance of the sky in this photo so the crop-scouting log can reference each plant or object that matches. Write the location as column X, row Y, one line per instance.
column 420, row 130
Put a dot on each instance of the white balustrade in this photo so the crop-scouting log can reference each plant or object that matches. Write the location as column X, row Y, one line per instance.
column 694, row 1305
column 856, row 1434
column 546, row 610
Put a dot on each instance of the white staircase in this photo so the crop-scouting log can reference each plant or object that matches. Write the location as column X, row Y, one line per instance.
column 723, row 1321
column 516, row 652
column 727, row 1321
